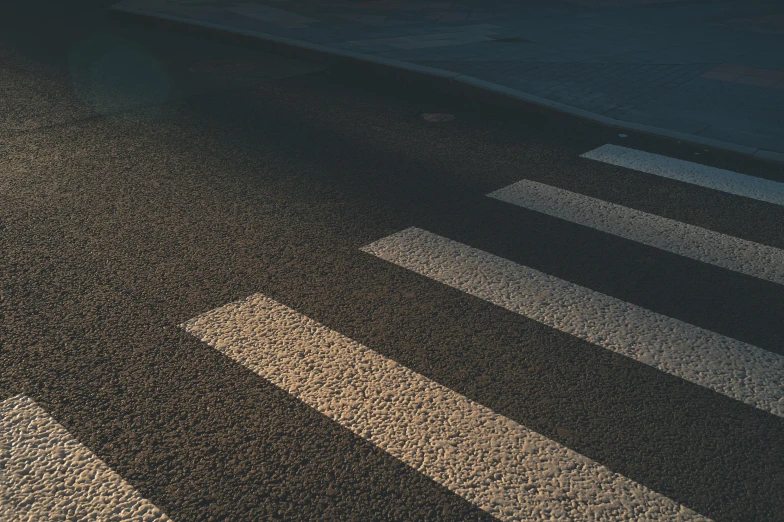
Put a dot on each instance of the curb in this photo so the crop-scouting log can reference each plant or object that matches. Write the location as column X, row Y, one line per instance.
column 499, row 92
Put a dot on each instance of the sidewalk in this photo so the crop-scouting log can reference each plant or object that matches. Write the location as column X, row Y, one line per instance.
column 703, row 71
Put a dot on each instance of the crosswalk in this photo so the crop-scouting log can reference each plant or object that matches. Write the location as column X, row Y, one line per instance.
column 725, row 365
column 503, row 467
column 46, row 474
column 689, row 172
column 700, row 244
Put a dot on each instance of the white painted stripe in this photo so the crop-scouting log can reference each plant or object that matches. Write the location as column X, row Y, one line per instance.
column 499, row 465
column 728, row 366
column 689, row 172
column 46, row 474
column 746, row 257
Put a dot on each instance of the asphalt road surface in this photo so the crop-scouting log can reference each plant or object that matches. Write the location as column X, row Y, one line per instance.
column 242, row 286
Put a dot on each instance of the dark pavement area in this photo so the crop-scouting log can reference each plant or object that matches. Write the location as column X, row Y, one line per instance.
column 148, row 176
column 710, row 71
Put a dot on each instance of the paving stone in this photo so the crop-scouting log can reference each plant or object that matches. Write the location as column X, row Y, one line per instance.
column 681, row 63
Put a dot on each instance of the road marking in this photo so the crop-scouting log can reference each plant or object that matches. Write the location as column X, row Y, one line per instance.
column 710, row 177
column 704, row 245
column 725, row 365
column 495, row 463
column 46, row 474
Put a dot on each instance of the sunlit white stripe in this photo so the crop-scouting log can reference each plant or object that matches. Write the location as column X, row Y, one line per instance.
column 689, row 172
column 46, row 474
column 499, row 465
column 746, row 257
column 728, row 366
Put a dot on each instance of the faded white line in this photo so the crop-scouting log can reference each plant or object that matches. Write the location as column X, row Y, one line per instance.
column 740, row 255
column 689, row 172
column 725, row 365
column 499, row 465
column 46, row 474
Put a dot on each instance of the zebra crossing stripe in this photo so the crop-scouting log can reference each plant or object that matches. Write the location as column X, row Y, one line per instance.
column 507, row 470
column 46, row 474
column 725, row 365
column 704, row 245
column 689, row 172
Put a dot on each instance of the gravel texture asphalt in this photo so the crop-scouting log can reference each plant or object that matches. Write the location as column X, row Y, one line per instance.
column 148, row 177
